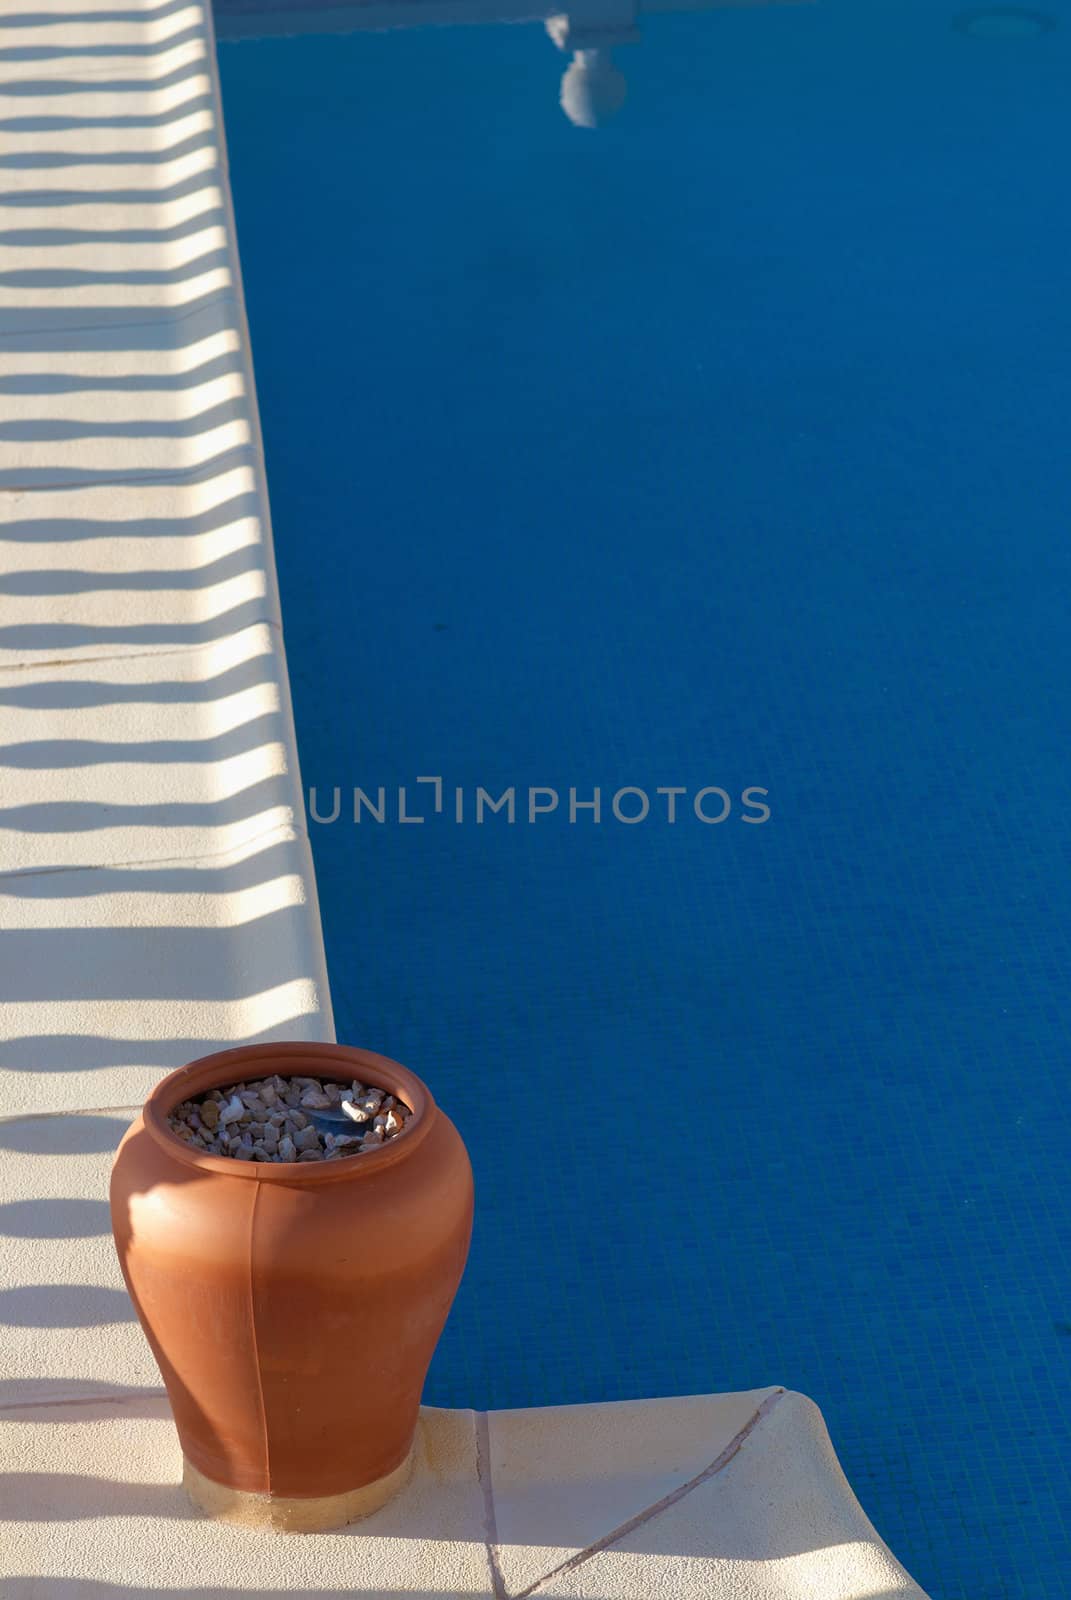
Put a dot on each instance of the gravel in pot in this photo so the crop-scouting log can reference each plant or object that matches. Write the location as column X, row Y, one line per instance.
column 288, row 1119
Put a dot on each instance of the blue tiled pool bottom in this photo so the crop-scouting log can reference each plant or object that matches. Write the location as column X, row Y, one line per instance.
column 722, row 446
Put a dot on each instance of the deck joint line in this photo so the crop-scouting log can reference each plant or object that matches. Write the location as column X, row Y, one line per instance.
column 719, row 1464
column 490, row 1521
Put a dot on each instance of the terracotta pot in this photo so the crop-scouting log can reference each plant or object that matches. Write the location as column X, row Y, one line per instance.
column 293, row 1308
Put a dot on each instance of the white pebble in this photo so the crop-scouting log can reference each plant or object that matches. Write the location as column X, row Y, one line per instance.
column 232, row 1111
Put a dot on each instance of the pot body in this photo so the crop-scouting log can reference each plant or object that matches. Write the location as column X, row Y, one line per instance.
column 293, row 1308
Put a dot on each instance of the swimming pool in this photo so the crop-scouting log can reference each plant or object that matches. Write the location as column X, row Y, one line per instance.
column 721, row 446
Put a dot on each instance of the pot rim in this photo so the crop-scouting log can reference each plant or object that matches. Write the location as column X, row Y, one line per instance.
column 224, row 1066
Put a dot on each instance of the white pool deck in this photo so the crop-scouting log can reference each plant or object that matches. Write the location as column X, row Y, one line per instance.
column 157, row 901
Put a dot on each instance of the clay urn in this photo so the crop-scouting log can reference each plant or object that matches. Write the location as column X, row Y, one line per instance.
column 293, row 1307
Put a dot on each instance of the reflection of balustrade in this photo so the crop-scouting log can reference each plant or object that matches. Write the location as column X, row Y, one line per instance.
column 592, row 87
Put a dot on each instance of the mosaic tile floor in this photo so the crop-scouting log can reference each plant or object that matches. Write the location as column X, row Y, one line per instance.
column 723, row 445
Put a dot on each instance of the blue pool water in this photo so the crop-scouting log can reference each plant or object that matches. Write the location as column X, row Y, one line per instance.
column 723, row 445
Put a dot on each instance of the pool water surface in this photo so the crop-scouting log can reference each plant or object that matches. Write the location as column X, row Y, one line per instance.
column 723, row 445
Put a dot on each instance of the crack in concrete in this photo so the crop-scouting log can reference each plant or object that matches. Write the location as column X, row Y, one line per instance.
column 717, row 1465
column 287, row 832
column 65, row 663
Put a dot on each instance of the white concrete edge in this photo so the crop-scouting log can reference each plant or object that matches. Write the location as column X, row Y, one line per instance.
column 317, row 953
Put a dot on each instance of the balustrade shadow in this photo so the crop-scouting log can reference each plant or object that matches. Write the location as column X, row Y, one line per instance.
column 73, row 1305
column 142, row 940
column 81, row 1134
column 89, row 1401
column 118, row 15
column 153, row 903
column 54, row 1218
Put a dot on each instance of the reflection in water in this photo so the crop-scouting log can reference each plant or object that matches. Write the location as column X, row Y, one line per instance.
column 593, row 87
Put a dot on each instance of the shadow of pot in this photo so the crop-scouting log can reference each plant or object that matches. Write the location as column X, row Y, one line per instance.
column 293, row 1308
